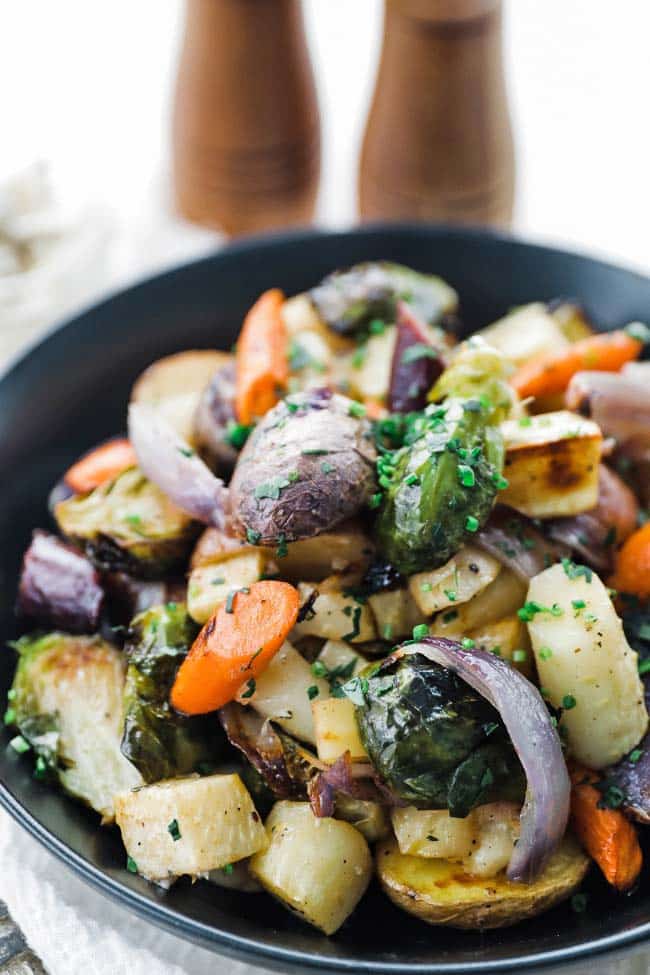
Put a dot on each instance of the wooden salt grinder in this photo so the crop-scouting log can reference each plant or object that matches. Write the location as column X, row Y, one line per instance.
column 438, row 143
column 246, row 128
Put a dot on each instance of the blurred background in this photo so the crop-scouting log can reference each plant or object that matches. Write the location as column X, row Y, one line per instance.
column 87, row 104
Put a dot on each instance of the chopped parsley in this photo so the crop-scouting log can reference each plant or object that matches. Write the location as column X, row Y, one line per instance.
column 356, row 617
column 356, row 409
column 271, row 489
column 377, row 327
column 174, row 830
column 466, row 475
column 574, row 571
column 19, row 744
column 356, row 689
column 237, row 434
column 530, row 609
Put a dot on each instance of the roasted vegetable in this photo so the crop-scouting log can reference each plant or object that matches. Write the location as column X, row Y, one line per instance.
column 478, row 370
column 67, row 704
column 215, row 425
column 318, row 868
column 127, row 597
column 585, row 664
column 440, row 489
column 101, row 464
column 128, row 524
column 463, row 577
column 262, row 367
column 336, row 730
column 441, row 892
column 175, row 383
column 156, row 739
column 209, row 586
column 307, row 467
column 416, row 364
column 551, row 464
column 348, row 300
column 334, row 613
column 434, row 741
column 188, row 826
column 59, row 586
column 525, row 332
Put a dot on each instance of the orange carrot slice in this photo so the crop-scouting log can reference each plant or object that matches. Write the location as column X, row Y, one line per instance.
column 235, row 645
column 262, row 367
column 632, row 570
column 606, row 834
column 100, row 465
column 552, row 372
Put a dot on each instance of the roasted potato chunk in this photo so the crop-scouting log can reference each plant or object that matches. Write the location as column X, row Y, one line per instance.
column 551, row 464
column 460, row 579
column 441, row 892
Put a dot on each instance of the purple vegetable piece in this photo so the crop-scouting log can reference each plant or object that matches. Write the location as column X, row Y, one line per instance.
column 215, row 412
column 545, row 813
column 416, row 363
column 59, row 587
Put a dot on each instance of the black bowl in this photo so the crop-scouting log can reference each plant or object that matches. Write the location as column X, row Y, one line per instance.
column 71, row 392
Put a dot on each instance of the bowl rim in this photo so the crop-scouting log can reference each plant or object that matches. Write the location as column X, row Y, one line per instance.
column 241, row 947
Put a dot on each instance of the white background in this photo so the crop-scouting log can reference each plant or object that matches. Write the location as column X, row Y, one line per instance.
column 87, row 84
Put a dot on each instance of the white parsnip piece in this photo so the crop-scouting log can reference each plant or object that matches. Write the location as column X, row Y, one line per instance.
column 585, row 664
column 209, row 586
column 335, row 615
column 318, row 868
column 188, row 826
column 282, row 693
column 525, row 332
column 457, row 581
column 337, row 730
column 433, row 833
column 396, row 613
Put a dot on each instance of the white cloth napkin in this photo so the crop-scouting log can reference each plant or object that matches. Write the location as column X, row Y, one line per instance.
column 75, row 930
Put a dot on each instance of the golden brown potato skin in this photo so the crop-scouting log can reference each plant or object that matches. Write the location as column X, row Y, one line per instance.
column 439, row 892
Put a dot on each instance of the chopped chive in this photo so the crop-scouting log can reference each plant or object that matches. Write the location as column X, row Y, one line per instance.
column 375, row 500
column 466, row 477
column 356, row 409
column 451, row 595
column 20, row 744
column 174, row 830
column 525, row 421
column 545, row 653
column 228, row 869
column 312, row 692
column 471, row 523
column 10, row 716
column 467, row 643
column 252, row 537
column 131, row 865
column 635, row 755
column 519, row 656
column 420, row 631
column 250, row 689
column 426, row 587
column 186, row 451
column 568, row 702
column 319, row 669
column 579, row 903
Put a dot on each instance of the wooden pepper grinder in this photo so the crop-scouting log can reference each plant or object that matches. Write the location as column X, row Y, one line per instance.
column 438, row 143
column 246, row 128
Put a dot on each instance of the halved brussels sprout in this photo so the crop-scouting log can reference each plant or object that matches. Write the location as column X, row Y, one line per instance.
column 67, row 704
column 157, row 740
column 128, row 524
column 347, row 300
column 440, row 488
column 434, row 741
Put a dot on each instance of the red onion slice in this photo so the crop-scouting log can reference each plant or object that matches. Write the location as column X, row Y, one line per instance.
column 514, row 541
column 545, row 811
column 168, row 461
column 618, row 402
column 416, row 363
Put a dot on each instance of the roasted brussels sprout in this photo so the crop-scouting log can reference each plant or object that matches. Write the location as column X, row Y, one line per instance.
column 128, row 524
column 479, row 370
column 307, row 467
column 348, row 300
column 158, row 741
column 434, row 741
column 66, row 701
column 439, row 489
